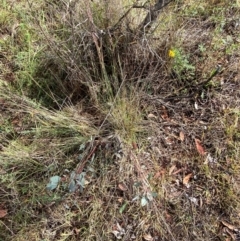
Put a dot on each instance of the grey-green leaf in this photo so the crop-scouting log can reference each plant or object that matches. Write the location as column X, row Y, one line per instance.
column 72, row 186
column 144, row 201
column 53, row 183
column 80, row 179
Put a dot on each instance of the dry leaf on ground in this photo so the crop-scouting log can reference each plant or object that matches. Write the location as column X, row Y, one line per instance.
column 159, row 174
column 122, row 187
column 164, row 114
column 134, row 145
column 118, row 231
column 199, row 147
column 148, row 237
column 3, row 213
column 228, row 225
column 178, row 171
column 171, row 170
column 181, row 136
column 186, row 179
column 233, row 237
column 152, row 116
column 168, row 217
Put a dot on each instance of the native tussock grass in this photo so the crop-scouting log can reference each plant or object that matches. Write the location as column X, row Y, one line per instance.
column 82, row 91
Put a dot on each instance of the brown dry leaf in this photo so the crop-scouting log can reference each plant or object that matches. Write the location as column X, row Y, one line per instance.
column 148, row 237
column 76, row 230
column 165, row 114
column 152, row 116
column 169, row 140
column 199, row 147
column 3, row 213
column 120, row 200
column 174, row 194
column 178, row 171
column 134, row 145
column 122, row 187
column 171, row 170
column 168, row 217
column 1, row 170
column 159, row 174
column 181, row 136
column 118, row 231
column 187, row 178
column 231, row 234
column 228, row 225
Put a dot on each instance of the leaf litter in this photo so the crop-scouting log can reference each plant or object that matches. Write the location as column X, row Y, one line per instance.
column 3, row 213
column 199, row 147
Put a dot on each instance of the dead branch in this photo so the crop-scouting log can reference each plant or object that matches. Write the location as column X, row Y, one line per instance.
column 152, row 16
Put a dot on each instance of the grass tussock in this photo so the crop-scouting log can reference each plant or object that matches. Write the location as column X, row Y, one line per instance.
column 114, row 127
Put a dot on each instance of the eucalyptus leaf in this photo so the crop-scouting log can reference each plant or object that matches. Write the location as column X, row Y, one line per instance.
column 82, row 147
column 154, row 194
column 137, row 184
column 53, row 183
column 81, row 183
column 144, row 201
column 149, row 196
column 81, row 179
column 135, row 198
column 91, row 169
column 80, row 157
column 72, row 186
column 73, row 174
column 80, row 176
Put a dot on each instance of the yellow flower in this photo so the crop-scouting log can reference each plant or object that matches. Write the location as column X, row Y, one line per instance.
column 171, row 53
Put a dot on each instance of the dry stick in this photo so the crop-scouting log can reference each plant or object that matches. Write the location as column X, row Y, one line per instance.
column 7, row 227
column 152, row 16
column 214, row 73
column 81, row 165
column 125, row 15
column 120, row 20
column 196, row 87
column 149, row 19
column 95, row 37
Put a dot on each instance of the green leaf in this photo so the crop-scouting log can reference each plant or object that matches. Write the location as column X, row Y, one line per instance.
column 121, row 210
column 154, row 194
column 137, row 184
column 53, row 183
